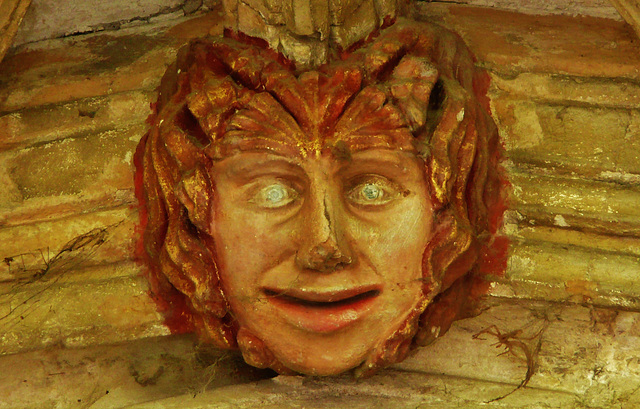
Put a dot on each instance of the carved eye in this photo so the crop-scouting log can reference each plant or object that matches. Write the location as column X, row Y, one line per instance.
column 373, row 190
column 274, row 196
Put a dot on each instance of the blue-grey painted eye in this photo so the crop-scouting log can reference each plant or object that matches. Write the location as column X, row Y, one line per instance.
column 373, row 190
column 274, row 195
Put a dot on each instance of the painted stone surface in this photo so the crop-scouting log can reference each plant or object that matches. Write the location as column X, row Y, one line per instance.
column 322, row 220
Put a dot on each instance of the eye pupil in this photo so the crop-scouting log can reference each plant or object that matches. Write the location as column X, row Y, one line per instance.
column 275, row 194
column 371, row 192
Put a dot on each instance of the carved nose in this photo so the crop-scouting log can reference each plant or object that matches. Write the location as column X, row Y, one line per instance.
column 324, row 257
column 323, row 247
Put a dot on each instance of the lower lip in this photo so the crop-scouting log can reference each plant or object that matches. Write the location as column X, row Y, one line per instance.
column 324, row 317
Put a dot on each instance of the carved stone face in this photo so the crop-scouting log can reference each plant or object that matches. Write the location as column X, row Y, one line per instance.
column 321, row 257
column 321, row 220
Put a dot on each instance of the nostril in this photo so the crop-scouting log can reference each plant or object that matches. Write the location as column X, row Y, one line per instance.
column 343, row 263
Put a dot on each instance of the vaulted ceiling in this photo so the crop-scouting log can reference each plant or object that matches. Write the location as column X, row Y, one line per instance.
column 24, row 21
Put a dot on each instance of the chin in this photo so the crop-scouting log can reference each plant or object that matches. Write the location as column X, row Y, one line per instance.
column 325, row 368
column 327, row 356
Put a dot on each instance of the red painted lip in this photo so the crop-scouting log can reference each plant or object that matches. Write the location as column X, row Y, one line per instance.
column 323, row 311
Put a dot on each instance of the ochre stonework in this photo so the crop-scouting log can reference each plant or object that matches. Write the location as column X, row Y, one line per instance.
column 565, row 95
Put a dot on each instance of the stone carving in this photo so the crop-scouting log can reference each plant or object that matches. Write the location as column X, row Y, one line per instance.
column 308, row 31
column 13, row 12
column 322, row 220
column 630, row 12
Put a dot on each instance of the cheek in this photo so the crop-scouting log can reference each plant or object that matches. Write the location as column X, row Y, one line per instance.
column 396, row 243
column 247, row 244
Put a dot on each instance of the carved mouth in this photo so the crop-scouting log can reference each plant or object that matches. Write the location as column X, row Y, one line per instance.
column 327, row 300
column 323, row 311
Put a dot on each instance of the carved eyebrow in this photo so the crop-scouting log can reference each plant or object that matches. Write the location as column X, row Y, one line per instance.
column 261, row 164
column 235, row 142
column 348, row 146
column 389, row 165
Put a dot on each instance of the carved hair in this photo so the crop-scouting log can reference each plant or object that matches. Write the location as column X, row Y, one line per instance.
column 420, row 76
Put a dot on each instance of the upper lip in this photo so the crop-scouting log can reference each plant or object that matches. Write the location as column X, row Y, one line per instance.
column 323, row 310
column 319, row 297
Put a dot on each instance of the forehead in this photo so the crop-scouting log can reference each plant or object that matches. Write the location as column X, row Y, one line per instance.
column 393, row 163
column 315, row 113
